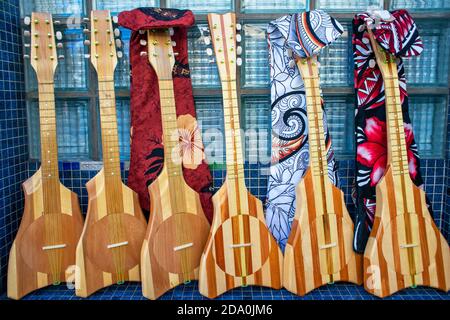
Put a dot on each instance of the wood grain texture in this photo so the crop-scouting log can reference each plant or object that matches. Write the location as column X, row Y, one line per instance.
column 29, row 266
column 178, row 228
column 405, row 248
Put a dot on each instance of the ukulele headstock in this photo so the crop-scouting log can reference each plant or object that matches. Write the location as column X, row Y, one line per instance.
column 105, row 42
column 43, row 47
column 160, row 52
column 308, row 67
column 223, row 36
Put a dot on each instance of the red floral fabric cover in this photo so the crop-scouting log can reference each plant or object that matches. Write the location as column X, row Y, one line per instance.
column 401, row 38
column 147, row 153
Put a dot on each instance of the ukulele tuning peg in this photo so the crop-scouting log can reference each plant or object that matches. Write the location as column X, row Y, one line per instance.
column 59, row 45
column 86, row 31
column 27, row 33
column 291, row 63
column 141, row 31
column 87, row 43
column 209, row 51
column 27, row 45
column 171, row 32
column 238, row 38
column 59, row 35
column 118, row 43
column 239, row 50
column 61, row 57
column 117, row 32
column 26, row 56
column 207, row 40
column 27, row 21
column 143, row 42
column 87, row 56
column 174, row 43
column 143, row 54
column 119, row 54
column 56, row 22
column 176, row 54
column 239, row 61
column 238, row 26
column 86, row 20
column 211, row 61
column 115, row 19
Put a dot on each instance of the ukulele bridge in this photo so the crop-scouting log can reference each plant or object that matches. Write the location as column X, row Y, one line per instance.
column 56, row 246
column 183, row 246
column 408, row 245
column 115, row 245
column 329, row 245
column 240, row 245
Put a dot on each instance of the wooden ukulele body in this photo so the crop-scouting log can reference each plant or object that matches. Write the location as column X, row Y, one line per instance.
column 386, row 265
column 29, row 266
column 175, row 237
column 311, row 260
column 94, row 259
column 221, row 266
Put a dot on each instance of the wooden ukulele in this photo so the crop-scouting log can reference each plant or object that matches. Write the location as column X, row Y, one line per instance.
column 405, row 248
column 240, row 250
column 178, row 228
column 108, row 250
column 51, row 224
column 319, row 248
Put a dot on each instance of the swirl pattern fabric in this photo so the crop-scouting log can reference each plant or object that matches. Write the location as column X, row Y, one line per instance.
column 301, row 34
column 401, row 38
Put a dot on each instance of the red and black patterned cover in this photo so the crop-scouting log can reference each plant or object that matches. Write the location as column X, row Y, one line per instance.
column 401, row 38
column 147, row 151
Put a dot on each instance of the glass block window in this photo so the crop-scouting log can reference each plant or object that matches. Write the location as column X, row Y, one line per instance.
column 203, row 68
column 415, row 5
column 256, row 119
column 431, row 66
column 117, row 6
column 72, row 123
column 58, row 7
column 271, row 6
column 348, row 5
column 71, row 72
column 211, row 123
column 340, row 120
column 202, row 6
column 428, row 125
column 336, row 62
column 123, row 127
column 256, row 70
column 122, row 72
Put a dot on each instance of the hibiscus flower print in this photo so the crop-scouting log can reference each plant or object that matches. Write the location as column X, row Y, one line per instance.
column 190, row 142
column 372, row 151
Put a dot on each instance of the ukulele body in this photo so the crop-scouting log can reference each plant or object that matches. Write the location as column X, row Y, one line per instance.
column 221, row 266
column 29, row 266
column 386, row 266
column 96, row 260
column 175, row 237
column 307, row 264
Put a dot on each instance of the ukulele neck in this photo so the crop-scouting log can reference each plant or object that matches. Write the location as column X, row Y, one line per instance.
column 233, row 142
column 316, row 136
column 172, row 155
column 108, row 122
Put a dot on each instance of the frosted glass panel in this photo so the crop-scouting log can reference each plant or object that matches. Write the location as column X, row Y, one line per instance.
column 72, row 119
column 211, row 123
column 202, row 6
column 67, row 7
column 71, row 72
column 340, row 117
column 122, row 73
column 271, row 6
column 122, row 5
column 123, row 126
column 203, row 68
column 431, row 67
column 416, row 5
column 427, row 121
column 335, row 61
column 257, row 118
column 348, row 5
column 255, row 56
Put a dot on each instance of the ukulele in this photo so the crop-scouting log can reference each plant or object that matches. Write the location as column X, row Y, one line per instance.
column 405, row 248
column 319, row 248
column 240, row 250
column 52, row 223
column 109, row 247
column 178, row 228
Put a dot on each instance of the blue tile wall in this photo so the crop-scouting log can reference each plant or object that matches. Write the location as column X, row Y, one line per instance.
column 13, row 130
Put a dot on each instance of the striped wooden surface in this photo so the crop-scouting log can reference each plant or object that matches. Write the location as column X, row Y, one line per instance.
column 30, row 267
column 178, row 228
column 309, row 263
column 405, row 248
